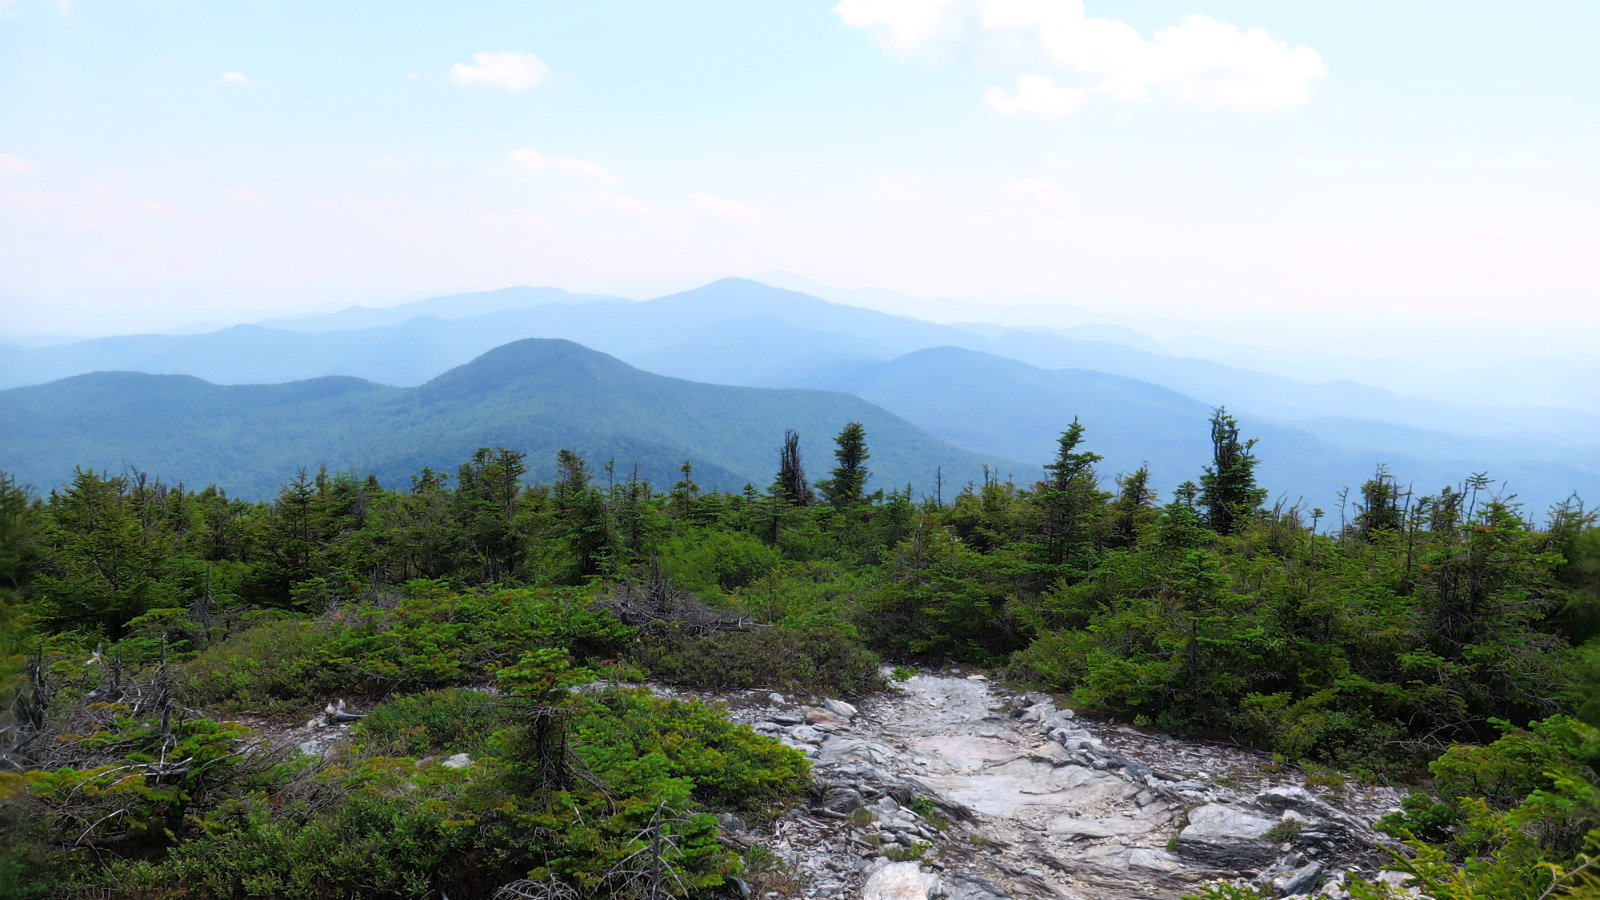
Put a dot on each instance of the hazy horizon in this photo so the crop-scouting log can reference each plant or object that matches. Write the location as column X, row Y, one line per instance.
column 1342, row 193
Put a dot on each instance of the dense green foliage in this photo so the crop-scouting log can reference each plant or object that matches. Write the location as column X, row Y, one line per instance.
column 1445, row 627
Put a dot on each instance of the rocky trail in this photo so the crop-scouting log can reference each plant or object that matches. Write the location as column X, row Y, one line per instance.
column 948, row 786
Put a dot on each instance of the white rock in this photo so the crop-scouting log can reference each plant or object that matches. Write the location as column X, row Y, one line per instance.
column 1226, row 837
column 459, row 761
column 805, row 734
column 902, row 881
column 840, row 708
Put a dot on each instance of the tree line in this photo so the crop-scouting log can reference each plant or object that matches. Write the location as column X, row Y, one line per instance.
column 1415, row 624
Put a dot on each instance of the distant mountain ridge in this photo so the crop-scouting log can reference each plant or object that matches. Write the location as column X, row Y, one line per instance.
column 673, row 334
column 537, row 396
column 1002, row 406
column 744, row 333
column 450, row 306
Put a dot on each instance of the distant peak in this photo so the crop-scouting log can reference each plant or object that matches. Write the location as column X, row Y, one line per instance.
column 530, row 357
column 740, row 294
column 734, row 281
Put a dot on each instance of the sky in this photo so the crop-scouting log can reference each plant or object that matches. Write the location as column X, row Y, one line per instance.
column 1399, row 175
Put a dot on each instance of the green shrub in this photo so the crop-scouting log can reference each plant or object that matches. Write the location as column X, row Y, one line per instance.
column 272, row 664
column 431, row 640
column 714, row 562
column 1327, row 727
column 912, row 853
column 815, row 594
column 443, row 721
column 729, row 766
column 804, row 660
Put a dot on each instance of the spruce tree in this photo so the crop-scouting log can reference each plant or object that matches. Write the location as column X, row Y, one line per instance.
column 1228, row 491
column 847, row 487
column 1069, row 507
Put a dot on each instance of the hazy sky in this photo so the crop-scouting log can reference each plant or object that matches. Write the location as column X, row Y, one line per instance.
column 170, row 160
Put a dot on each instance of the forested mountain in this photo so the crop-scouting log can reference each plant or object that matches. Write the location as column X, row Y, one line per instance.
column 761, row 336
column 1001, row 406
column 989, row 389
column 538, row 396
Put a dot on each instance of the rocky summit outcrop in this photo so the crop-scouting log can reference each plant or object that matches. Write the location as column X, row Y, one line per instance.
column 948, row 787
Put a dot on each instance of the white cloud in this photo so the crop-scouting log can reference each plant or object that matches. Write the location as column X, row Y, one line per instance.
column 892, row 190
column 534, row 161
column 512, row 220
column 1047, row 193
column 729, row 210
column 359, row 205
column 246, row 195
column 590, row 202
column 900, row 24
column 387, row 163
column 622, row 202
column 13, row 165
column 412, row 76
column 1200, row 63
column 511, row 70
column 239, row 78
column 1210, row 64
column 1039, row 95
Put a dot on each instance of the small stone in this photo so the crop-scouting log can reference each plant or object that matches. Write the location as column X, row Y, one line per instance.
column 846, row 711
column 806, row 734
column 841, row 799
column 459, row 761
column 1298, row 881
column 776, row 697
column 815, row 716
column 1389, row 876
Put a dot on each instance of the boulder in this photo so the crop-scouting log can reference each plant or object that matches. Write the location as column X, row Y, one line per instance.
column 840, row 799
column 869, row 755
column 902, row 881
column 1226, row 837
column 846, row 711
column 1298, row 881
